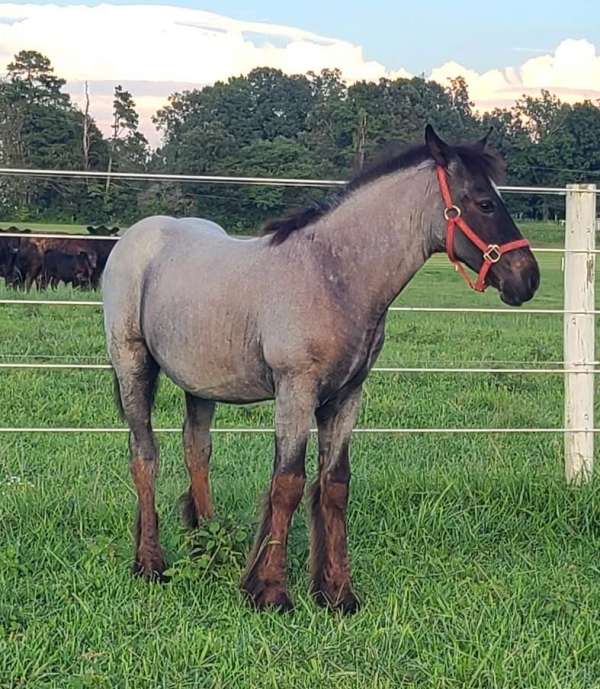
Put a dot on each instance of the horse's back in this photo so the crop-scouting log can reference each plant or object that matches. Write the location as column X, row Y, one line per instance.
column 150, row 235
column 157, row 235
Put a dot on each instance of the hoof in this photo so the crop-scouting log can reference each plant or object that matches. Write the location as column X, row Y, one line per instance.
column 345, row 603
column 151, row 569
column 262, row 598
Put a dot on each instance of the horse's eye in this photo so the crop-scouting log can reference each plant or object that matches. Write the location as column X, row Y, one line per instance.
column 486, row 206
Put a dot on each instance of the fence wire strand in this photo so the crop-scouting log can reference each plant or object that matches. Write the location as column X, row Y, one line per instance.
column 415, row 309
column 271, row 431
column 583, row 368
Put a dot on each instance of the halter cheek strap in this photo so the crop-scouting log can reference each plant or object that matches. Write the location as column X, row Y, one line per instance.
column 492, row 253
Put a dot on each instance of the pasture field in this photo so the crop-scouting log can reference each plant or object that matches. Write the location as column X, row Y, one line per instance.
column 545, row 231
column 44, row 226
column 478, row 566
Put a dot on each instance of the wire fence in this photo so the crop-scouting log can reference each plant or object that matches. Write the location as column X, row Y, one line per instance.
column 562, row 369
column 376, row 369
column 237, row 180
column 271, row 431
column 404, row 309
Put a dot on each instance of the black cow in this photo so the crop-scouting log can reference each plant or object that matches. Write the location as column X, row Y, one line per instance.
column 74, row 269
column 9, row 247
column 28, row 264
column 103, row 247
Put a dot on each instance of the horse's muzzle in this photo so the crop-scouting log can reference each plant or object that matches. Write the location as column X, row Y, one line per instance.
column 517, row 277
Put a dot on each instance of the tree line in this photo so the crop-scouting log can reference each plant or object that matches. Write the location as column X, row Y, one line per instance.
column 266, row 123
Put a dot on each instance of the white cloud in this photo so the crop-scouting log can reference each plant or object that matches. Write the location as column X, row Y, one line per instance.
column 134, row 43
column 165, row 43
column 572, row 72
column 155, row 50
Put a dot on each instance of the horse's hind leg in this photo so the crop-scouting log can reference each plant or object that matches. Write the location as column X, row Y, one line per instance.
column 197, row 504
column 137, row 375
column 330, row 569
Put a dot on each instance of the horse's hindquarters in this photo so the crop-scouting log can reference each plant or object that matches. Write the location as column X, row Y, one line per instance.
column 199, row 320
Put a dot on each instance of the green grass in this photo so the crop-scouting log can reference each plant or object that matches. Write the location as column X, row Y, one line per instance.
column 543, row 233
column 477, row 564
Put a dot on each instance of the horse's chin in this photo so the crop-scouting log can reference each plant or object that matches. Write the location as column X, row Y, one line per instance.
column 511, row 299
column 508, row 296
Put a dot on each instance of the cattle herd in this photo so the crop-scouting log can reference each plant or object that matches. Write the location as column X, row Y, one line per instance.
column 45, row 262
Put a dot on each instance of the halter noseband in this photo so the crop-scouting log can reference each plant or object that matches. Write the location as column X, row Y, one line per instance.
column 492, row 253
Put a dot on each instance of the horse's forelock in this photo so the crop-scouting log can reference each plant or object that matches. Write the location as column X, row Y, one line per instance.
column 487, row 162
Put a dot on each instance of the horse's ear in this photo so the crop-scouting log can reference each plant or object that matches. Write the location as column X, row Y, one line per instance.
column 482, row 143
column 439, row 149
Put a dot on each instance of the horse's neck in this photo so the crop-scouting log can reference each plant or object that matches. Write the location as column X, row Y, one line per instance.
column 380, row 236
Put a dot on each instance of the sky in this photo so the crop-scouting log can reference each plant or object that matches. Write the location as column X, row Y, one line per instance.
column 154, row 48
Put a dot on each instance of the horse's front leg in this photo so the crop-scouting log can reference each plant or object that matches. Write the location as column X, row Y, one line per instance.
column 330, row 568
column 265, row 581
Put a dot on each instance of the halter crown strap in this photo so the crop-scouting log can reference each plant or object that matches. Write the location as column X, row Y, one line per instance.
column 492, row 253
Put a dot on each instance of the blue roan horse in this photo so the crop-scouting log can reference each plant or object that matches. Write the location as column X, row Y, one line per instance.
column 298, row 316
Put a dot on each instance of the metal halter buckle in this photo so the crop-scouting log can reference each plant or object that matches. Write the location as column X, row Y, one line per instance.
column 493, row 254
column 452, row 209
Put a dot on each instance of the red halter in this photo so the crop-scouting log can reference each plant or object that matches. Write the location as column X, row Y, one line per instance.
column 492, row 253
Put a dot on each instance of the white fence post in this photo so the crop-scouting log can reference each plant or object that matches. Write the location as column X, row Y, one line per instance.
column 580, row 265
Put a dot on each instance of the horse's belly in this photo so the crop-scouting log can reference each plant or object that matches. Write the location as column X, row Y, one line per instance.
column 224, row 387
column 213, row 370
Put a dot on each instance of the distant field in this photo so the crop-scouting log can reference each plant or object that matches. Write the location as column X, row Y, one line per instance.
column 478, row 566
column 542, row 233
column 44, row 226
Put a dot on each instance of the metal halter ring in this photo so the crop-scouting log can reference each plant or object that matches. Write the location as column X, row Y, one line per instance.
column 493, row 254
column 452, row 209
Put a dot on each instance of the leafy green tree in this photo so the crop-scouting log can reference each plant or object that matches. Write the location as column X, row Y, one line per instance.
column 201, row 126
column 542, row 117
column 128, row 151
column 249, row 125
column 281, row 157
column 574, row 150
column 40, row 128
column 331, row 123
column 265, row 123
column 128, row 146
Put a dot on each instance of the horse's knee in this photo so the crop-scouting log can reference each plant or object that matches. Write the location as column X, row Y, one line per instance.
column 143, row 445
column 197, row 448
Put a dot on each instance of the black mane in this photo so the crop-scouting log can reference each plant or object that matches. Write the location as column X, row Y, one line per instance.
column 477, row 160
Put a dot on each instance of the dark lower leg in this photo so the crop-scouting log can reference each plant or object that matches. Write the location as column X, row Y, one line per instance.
column 197, row 503
column 265, row 581
column 149, row 561
column 330, row 567
column 197, row 449
column 136, row 377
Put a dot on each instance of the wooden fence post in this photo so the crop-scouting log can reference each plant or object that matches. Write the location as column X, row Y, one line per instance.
column 580, row 265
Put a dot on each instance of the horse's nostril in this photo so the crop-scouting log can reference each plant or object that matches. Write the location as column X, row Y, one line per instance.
column 534, row 281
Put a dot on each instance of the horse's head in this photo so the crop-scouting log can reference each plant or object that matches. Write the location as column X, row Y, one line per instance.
column 476, row 228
